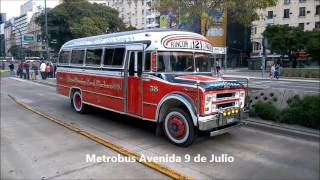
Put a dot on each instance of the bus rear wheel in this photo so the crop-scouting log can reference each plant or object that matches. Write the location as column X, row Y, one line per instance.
column 77, row 103
column 178, row 127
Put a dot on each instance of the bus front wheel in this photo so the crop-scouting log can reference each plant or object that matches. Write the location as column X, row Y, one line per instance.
column 178, row 127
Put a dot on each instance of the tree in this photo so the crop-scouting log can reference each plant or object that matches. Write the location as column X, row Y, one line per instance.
column 75, row 19
column 14, row 51
column 285, row 40
column 196, row 11
column 313, row 44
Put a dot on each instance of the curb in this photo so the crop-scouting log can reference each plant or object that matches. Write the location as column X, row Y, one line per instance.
column 46, row 83
column 282, row 129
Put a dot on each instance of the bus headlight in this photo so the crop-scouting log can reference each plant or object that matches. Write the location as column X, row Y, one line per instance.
column 208, row 104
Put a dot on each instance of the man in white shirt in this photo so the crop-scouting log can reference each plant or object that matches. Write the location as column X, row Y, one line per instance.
column 43, row 70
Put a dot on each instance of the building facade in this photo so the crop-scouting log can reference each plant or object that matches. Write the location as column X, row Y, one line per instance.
column 152, row 15
column 296, row 13
column 21, row 28
column 9, row 38
column 35, row 47
column 24, row 29
column 136, row 13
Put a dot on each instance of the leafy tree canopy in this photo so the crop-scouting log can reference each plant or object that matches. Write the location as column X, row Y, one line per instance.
column 74, row 19
column 242, row 11
column 287, row 40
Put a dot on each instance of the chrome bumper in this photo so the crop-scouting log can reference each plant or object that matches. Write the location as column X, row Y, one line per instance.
column 215, row 121
column 225, row 130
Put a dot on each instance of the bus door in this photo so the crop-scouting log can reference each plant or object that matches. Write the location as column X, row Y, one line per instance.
column 134, row 81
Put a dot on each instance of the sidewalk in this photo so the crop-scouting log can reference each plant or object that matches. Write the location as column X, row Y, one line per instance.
column 254, row 74
column 48, row 81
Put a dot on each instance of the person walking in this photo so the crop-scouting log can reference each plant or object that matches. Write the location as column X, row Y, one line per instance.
column 277, row 71
column 54, row 70
column 47, row 71
column 20, row 70
column 272, row 71
column 11, row 67
column 43, row 70
column 34, row 69
column 26, row 66
column 51, row 69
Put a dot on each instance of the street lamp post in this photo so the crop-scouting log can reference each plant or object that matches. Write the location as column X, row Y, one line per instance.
column 46, row 28
column 21, row 50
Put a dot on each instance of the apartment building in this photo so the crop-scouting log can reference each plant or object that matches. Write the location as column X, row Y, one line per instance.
column 136, row 13
column 9, row 37
column 297, row 13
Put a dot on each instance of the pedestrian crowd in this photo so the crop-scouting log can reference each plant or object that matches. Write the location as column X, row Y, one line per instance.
column 30, row 70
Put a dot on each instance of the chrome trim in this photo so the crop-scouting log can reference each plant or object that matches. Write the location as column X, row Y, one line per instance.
column 113, row 74
column 151, row 104
column 225, row 130
column 182, row 99
column 208, row 122
column 115, row 97
column 62, row 86
column 215, row 121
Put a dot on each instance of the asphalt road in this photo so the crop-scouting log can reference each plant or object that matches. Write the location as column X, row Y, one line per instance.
column 32, row 146
column 305, row 86
column 297, row 84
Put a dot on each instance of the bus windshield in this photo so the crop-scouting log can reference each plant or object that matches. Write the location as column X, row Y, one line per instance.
column 183, row 62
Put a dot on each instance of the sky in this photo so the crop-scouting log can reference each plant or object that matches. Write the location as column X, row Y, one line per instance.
column 12, row 7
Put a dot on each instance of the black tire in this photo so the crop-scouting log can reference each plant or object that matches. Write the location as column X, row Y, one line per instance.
column 178, row 127
column 77, row 102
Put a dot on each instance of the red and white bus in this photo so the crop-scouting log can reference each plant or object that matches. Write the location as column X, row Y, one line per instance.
column 159, row 75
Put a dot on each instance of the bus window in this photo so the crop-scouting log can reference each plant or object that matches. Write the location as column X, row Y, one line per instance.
column 175, row 62
column 139, row 63
column 114, row 57
column 93, row 57
column 64, row 57
column 203, row 62
column 147, row 62
column 77, row 57
column 131, row 64
column 108, row 56
column 118, row 57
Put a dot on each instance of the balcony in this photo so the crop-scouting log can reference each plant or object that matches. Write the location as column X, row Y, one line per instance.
column 152, row 15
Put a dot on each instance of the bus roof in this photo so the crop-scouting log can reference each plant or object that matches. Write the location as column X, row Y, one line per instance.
column 160, row 39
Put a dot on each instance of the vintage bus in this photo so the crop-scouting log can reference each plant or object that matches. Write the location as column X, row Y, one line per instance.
column 159, row 75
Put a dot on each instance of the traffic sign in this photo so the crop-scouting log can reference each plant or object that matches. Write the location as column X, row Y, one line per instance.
column 28, row 37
